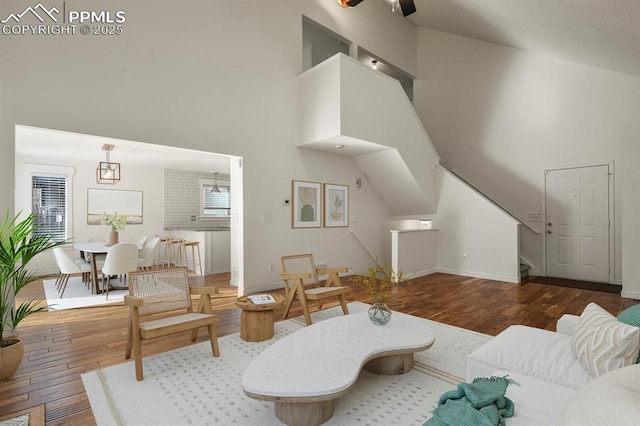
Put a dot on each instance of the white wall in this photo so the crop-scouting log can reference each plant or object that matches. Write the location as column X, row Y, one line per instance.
column 501, row 115
column 214, row 76
column 631, row 217
column 475, row 238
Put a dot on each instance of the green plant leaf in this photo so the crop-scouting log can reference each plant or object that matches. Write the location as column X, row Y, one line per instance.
column 18, row 246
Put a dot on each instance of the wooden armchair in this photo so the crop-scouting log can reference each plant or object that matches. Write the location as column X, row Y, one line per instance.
column 157, row 291
column 300, row 277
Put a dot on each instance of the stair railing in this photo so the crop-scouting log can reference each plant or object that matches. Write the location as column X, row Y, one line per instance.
column 354, row 236
column 492, row 200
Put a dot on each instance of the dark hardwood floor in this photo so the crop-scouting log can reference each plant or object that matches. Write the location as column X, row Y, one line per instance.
column 60, row 346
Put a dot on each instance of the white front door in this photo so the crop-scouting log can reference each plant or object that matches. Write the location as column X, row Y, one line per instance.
column 577, row 223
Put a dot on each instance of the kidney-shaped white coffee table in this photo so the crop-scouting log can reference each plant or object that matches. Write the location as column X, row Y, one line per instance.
column 305, row 372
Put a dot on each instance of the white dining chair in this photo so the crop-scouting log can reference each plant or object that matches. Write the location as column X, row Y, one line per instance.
column 147, row 255
column 82, row 261
column 67, row 267
column 142, row 241
column 121, row 259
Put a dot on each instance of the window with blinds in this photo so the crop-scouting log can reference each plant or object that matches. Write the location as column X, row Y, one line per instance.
column 216, row 203
column 49, row 203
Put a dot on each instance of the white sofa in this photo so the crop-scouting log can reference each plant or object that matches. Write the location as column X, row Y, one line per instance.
column 555, row 386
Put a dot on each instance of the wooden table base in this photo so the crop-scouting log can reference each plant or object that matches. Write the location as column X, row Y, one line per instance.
column 305, row 413
column 256, row 326
column 257, row 321
column 390, row 364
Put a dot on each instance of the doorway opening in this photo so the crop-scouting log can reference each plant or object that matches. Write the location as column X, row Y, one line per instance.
column 143, row 169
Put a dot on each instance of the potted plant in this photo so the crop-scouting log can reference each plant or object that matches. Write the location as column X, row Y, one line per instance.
column 18, row 245
column 379, row 282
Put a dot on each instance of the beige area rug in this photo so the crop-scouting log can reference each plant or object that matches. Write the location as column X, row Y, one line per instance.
column 190, row 386
column 77, row 295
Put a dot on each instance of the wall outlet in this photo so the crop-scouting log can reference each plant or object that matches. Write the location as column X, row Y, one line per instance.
column 464, row 257
column 534, row 217
column 354, row 218
column 270, row 266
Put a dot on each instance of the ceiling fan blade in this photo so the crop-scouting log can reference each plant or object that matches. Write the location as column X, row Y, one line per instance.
column 407, row 6
column 353, row 3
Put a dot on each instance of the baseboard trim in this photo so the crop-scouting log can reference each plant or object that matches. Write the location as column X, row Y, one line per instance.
column 422, row 273
column 273, row 286
column 483, row 276
column 630, row 294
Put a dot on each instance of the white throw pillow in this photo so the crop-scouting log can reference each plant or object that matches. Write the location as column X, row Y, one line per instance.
column 602, row 343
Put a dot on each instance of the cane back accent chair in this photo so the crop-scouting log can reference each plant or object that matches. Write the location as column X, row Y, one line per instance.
column 158, row 291
column 300, row 276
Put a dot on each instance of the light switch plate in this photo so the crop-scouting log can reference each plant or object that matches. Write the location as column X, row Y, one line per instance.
column 534, row 217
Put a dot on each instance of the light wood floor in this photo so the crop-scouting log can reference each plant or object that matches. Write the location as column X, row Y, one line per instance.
column 60, row 346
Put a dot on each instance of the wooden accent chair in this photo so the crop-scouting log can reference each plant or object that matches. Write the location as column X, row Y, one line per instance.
column 300, row 276
column 157, row 291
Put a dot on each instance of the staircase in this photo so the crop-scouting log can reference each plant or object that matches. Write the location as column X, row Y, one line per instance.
column 346, row 108
column 524, row 270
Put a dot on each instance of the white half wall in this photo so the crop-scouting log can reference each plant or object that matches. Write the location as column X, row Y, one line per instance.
column 367, row 114
column 414, row 252
column 475, row 238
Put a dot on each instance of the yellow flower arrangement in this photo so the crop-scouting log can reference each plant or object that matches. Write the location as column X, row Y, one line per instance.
column 379, row 282
column 116, row 221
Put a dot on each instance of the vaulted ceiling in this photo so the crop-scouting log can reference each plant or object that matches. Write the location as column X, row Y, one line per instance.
column 602, row 33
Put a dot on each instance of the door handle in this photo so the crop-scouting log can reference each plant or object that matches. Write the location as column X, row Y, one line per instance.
column 548, row 231
column 549, row 224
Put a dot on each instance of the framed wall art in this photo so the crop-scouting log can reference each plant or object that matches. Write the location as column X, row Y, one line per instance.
column 124, row 202
column 336, row 205
column 306, row 208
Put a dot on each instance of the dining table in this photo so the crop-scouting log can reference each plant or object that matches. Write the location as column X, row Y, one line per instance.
column 91, row 251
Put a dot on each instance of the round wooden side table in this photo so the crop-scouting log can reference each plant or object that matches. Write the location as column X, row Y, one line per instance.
column 257, row 321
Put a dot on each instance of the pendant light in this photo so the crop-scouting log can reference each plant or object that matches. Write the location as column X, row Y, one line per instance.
column 108, row 172
column 215, row 188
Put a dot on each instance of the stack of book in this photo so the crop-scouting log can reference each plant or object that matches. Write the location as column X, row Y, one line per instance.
column 261, row 299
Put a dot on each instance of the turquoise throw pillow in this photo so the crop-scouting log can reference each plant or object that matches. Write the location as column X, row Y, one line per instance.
column 631, row 316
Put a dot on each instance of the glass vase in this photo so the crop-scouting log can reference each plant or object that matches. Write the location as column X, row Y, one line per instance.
column 379, row 313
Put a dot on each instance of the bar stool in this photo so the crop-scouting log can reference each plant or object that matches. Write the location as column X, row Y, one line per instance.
column 183, row 259
column 174, row 248
column 163, row 253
